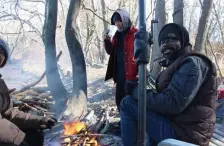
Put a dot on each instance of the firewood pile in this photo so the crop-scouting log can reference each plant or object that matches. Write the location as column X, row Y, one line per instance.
column 33, row 101
column 92, row 129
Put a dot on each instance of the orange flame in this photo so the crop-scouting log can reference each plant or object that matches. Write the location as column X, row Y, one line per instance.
column 71, row 128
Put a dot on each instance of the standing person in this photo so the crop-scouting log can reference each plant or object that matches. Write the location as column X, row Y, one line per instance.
column 16, row 127
column 121, row 65
column 184, row 106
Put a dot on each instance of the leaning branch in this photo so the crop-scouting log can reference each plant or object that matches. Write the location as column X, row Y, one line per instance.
column 36, row 82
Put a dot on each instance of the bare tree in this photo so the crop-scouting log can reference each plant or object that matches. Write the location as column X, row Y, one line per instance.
column 75, row 49
column 90, row 29
column 218, row 18
column 192, row 13
column 77, row 104
column 160, row 14
column 54, row 82
column 203, row 25
column 105, row 27
column 178, row 12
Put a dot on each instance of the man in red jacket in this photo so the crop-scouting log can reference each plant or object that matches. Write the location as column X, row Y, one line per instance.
column 16, row 127
column 121, row 65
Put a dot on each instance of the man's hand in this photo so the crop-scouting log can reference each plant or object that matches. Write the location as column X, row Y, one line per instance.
column 12, row 90
column 106, row 34
column 141, row 51
column 47, row 122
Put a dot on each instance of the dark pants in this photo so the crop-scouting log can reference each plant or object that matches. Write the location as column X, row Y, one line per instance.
column 158, row 127
column 120, row 93
column 32, row 138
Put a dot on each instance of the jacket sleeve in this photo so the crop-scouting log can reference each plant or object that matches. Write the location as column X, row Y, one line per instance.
column 10, row 133
column 182, row 89
column 21, row 119
column 109, row 44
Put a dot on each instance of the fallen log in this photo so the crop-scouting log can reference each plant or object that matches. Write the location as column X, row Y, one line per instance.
column 38, row 81
column 40, row 89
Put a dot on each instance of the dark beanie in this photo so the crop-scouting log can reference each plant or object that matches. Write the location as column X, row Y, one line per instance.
column 116, row 17
column 4, row 47
column 174, row 31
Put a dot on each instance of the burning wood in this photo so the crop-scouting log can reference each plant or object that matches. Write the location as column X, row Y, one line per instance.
column 71, row 128
column 76, row 134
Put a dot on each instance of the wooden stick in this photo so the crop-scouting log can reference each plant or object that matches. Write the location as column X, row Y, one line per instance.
column 36, row 102
column 88, row 116
column 40, row 108
column 83, row 135
column 101, row 121
column 30, row 107
column 107, row 125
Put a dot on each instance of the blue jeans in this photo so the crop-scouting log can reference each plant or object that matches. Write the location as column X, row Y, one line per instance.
column 158, row 127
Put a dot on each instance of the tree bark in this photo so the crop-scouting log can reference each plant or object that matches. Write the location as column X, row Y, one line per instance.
column 54, row 82
column 75, row 49
column 160, row 14
column 203, row 26
column 178, row 13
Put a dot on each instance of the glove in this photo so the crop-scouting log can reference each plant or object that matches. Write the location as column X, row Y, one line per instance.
column 47, row 123
column 24, row 143
column 130, row 86
column 11, row 90
column 141, row 51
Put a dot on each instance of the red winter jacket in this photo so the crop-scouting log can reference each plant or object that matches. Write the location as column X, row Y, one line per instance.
column 131, row 68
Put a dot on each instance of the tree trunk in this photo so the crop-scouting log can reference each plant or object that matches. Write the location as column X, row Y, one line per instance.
column 54, row 82
column 75, row 50
column 98, row 43
column 105, row 26
column 178, row 13
column 203, row 26
column 192, row 13
column 219, row 22
column 160, row 14
column 77, row 104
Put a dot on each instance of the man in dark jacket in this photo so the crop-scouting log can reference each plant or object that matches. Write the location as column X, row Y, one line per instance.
column 16, row 127
column 121, row 65
column 184, row 105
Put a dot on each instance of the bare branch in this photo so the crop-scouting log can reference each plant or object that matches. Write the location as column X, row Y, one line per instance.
column 34, row 1
column 210, row 45
column 200, row 3
column 83, row 6
column 109, row 8
column 24, row 21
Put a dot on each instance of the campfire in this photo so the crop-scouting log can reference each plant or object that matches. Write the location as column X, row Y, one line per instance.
column 91, row 130
column 77, row 134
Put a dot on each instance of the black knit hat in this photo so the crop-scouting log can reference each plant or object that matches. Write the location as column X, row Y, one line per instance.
column 174, row 31
column 116, row 17
column 4, row 48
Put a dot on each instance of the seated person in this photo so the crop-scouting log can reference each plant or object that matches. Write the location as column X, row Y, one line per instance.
column 16, row 127
column 184, row 105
